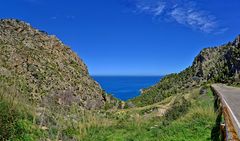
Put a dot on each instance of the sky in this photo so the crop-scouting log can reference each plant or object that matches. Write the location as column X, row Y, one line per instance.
column 132, row 37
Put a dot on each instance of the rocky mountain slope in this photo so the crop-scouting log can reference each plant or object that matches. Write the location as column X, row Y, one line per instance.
column 212, row 65
column 43, row 69
column 46, row 91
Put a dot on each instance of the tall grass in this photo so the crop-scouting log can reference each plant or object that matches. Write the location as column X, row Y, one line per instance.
column 16, row 117
column 21, row 118
column 194, row 122
column 190, row 118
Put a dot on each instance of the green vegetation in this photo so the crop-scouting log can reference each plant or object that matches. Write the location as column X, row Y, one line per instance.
column 44, row 68
column 188, row 116
column 50, row 95
column 183, row 121
column 212, row 65
column 168, row 86
column 20, row 120
column 16, row 121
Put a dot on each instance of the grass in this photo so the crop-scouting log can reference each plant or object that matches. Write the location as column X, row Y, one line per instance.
column 194, row 124
column 17, row 121
column 188, row 117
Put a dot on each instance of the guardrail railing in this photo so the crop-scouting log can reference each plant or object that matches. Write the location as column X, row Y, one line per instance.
column 232, row 126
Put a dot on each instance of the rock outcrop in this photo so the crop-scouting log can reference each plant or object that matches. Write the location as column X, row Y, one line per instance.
column 219, row 64
column 43, row 69
column 212, row 65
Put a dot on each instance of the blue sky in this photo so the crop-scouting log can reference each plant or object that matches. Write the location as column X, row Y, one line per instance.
column 132, row 37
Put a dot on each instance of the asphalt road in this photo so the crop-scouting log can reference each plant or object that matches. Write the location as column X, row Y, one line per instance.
column 231, row 95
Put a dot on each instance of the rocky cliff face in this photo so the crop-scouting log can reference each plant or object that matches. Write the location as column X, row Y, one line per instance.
column 212, row 65
column 43, row 69
column 219, row 64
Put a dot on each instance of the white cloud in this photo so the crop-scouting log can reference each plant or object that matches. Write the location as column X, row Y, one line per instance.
column 222, row 30
column 184, row 12
column 151, row 8
column 194, row 18
column 143, row 8
column 159, row 9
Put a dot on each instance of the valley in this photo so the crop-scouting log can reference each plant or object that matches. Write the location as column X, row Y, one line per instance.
column 47, row 94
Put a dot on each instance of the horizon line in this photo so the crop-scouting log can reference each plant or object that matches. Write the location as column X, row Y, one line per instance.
column 123, row 75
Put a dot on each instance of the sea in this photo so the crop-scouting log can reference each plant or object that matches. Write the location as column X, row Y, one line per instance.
column 126, row 87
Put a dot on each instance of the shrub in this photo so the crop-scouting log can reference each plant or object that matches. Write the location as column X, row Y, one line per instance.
column 179, row 108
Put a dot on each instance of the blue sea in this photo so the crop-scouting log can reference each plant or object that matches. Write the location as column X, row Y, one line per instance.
column 126, row 87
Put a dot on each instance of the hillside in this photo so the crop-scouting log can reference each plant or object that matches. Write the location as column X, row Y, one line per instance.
column 45, row 88
column 44, row 69
column 46, row 93
column 212, row 65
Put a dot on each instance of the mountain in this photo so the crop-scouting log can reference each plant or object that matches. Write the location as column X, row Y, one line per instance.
column 43, row 69
column 46, row 93
column 212, row 65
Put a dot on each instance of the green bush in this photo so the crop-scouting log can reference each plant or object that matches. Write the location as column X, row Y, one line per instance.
column 17, row 124
column 179, row 108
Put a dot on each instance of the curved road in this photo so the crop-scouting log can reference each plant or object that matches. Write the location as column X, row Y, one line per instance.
column 230, row 97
